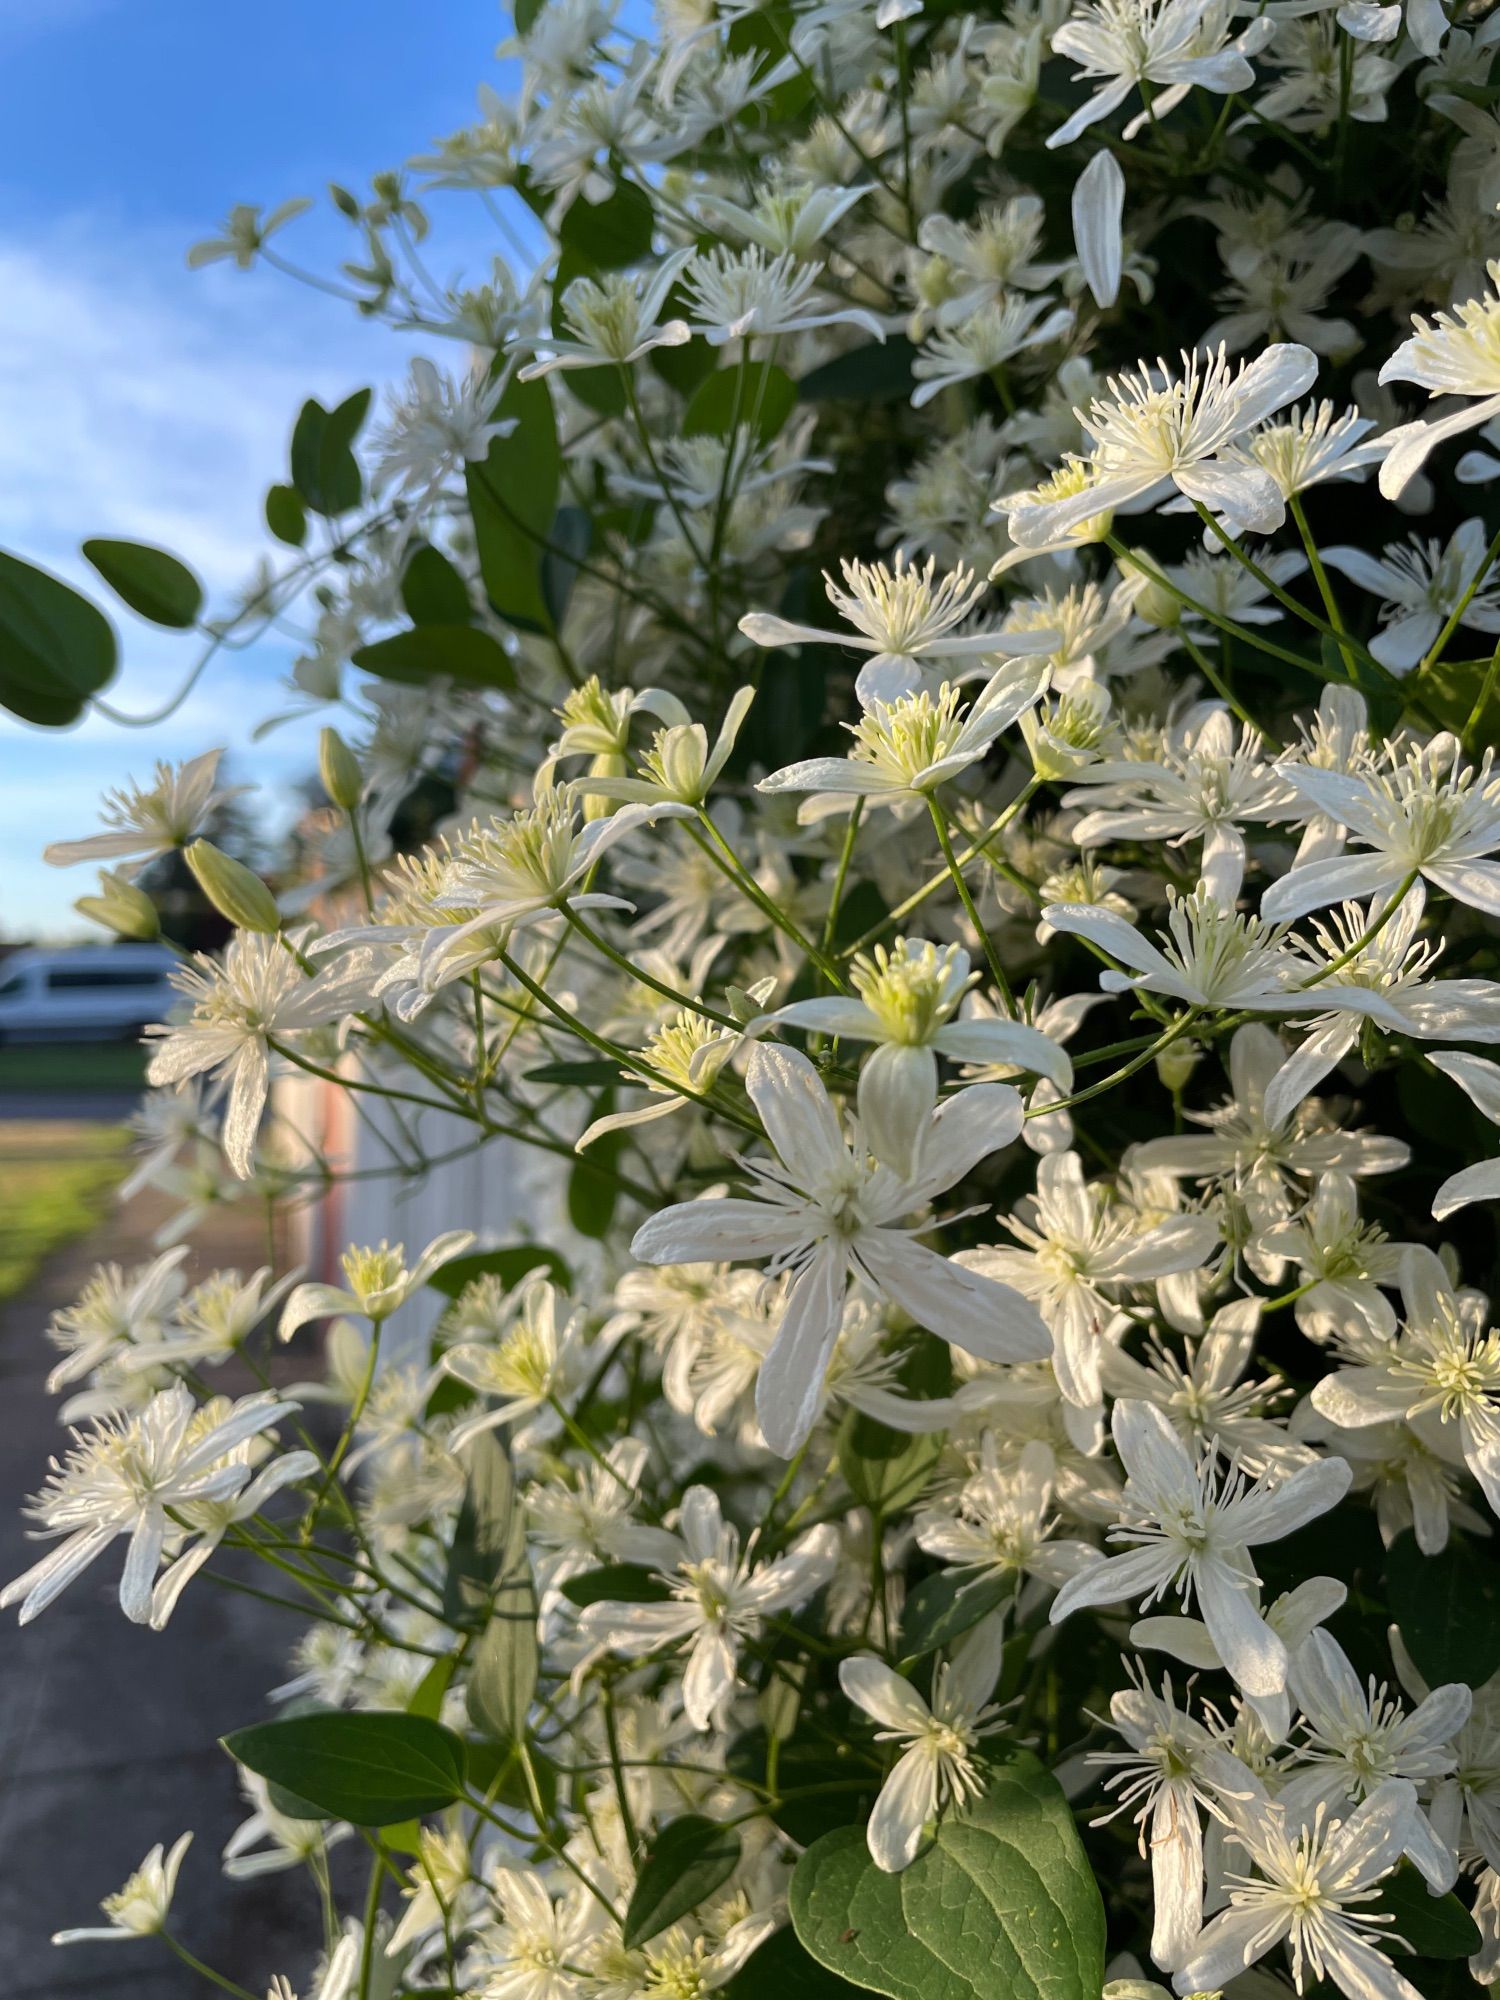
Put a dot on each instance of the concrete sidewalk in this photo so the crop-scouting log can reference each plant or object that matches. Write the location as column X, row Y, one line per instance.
column 108, row 1733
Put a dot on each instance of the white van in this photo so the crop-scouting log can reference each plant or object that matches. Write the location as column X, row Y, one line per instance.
column 95, row 993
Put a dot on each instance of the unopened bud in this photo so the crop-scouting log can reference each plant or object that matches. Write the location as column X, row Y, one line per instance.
column 233, row 890
column 121, row 907
column 1176, row 1064
column 1156, row 605
column 339, row 769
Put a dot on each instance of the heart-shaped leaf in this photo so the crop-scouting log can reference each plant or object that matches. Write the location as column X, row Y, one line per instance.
column 1002, row 1902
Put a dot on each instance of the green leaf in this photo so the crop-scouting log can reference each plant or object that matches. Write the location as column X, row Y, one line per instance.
column 489, row 1538
column 505, row 1663
column 1448, row 1608
column 1458, row 692
column 433, row 591
column 610, row 233
column 872, row 374
column 593, row 1190
column 616, row 1583
column 1002, row 1902
column 149, row 580
column 524, row 14
column 781, row 1968
column 886, row 1469
column 324, row 469
column 458, row 652
column 588, row 1073
column 369, row 1768
column 942, row 1608
column 509, row 1266
column 286, row 516
column 572, row 532
column 1434, row 1926
column 427, row 1696
column 53, row 641
column 757, row 394
column 685, row 1863
column 513, row 499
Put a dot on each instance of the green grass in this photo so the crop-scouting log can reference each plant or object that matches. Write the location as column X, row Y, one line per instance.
column 55, row 1183
column 72, row 1066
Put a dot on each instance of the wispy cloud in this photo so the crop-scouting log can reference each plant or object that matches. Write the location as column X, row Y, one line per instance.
column 141, row 400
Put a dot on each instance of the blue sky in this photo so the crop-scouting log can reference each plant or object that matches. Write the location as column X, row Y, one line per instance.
column 139, row 399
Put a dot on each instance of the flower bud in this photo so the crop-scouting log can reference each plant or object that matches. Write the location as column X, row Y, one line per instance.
column 233, row 890
column 1176, row 1064
column 121, row 907
column 339, row 769
column 1157, row 606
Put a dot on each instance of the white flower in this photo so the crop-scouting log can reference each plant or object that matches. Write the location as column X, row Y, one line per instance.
column 515, row 873
column 1173, row 44
column 719, row 1598
column 1455, row 353
column 614, row 319
column 151, row 821
column 123, row 1477
column 1420, row 585
column 1342, row 954
column 737, row 295
column 1479, row 1080
column 905, row 619
column 1357, row 1737
column 530, row 1955
column 937, row 1771
column 1204, row 1396
column 440, row 425
column 244, row 233
column 997, row 332
column 1154, row 431
column 1419, row 811
column 1311, row 445
column 1206, row 785
column 1244, row 1149
column 289, row 1843
column 1162, row 1780
column 904, row 998
column 141, row 1907
column 1192, row 1531
column 1211, row 958
column 524, row 1357
column 679, row 766
column 824, row 1212
column 1441, row 1374
column 379, row 1282
column 257, row 991
column 1292, row 1617
column 1080, row 1245
column 905, row 748
column 116, row 1310
column 1000, row 1520
column 1310, row 1886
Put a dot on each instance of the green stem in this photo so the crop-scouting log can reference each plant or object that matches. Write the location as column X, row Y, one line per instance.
column 997, row 970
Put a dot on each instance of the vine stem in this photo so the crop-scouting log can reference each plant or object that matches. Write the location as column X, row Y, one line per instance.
column 997, row 970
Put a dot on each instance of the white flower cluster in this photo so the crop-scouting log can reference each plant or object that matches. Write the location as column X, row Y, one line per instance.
column 991, row 1353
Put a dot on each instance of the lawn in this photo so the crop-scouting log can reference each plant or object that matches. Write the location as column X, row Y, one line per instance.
column 72, row 1066
column 55, row 1182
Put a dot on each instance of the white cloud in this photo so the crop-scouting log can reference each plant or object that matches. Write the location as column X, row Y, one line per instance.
column 139, row 399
